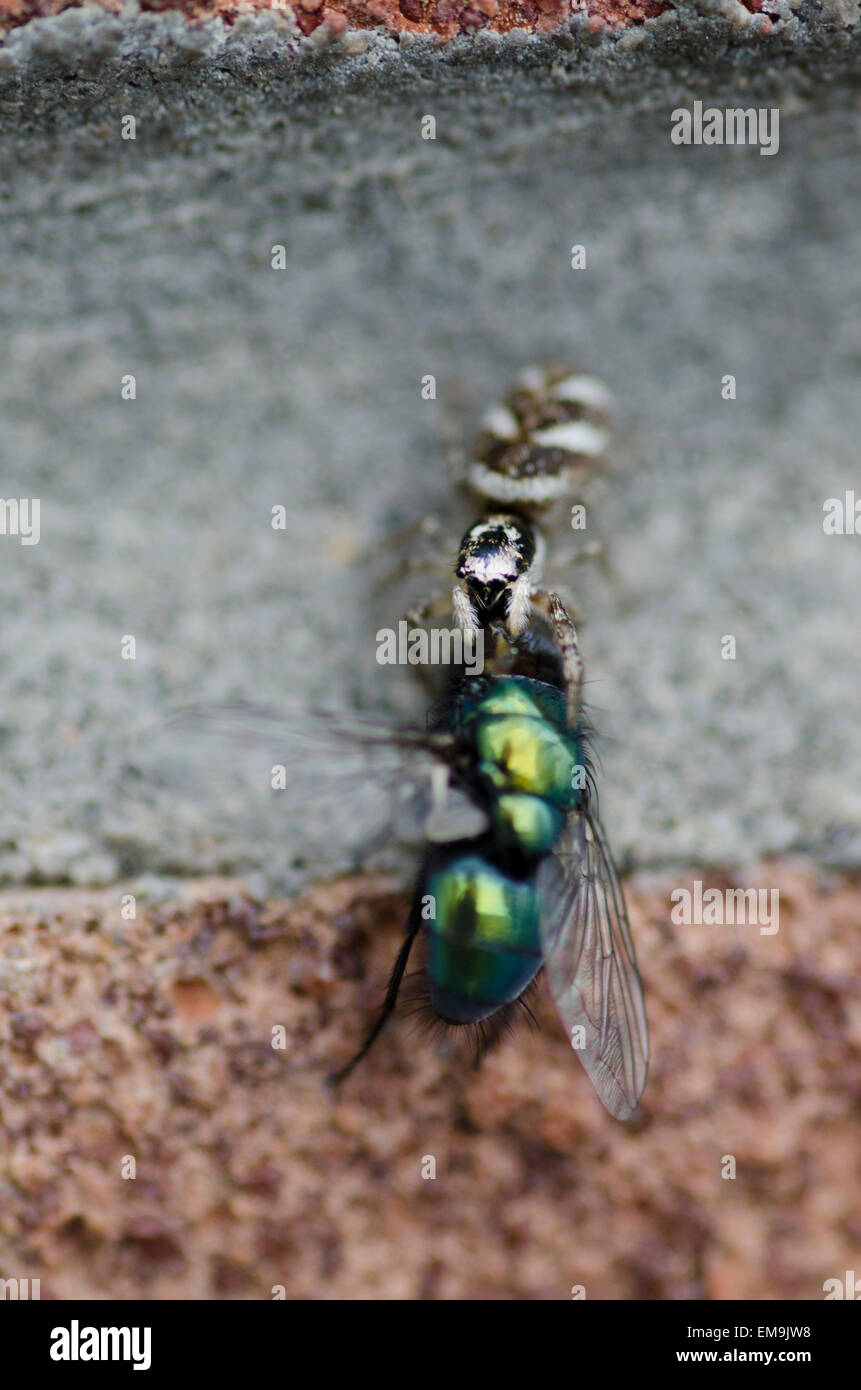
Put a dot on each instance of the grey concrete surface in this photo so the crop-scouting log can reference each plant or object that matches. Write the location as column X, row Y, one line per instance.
column 407, row 257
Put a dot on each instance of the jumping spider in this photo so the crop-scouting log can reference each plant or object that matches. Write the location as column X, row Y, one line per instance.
column 535, row 450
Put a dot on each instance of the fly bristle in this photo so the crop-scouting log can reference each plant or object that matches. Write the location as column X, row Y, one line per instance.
column 591, row 756
column 482, row 1037
column 493, row 1030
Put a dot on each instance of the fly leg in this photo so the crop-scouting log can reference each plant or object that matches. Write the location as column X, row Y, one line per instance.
column 413, row 924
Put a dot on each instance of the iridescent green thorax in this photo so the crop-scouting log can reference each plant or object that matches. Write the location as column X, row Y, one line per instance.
column 516, row 727
column 485, row 943
column 527, row 823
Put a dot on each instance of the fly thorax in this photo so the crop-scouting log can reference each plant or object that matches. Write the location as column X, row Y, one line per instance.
column 523, row 754
column 530, row 824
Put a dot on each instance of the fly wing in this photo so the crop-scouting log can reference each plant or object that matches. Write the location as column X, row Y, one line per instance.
column 394, row 778
column 591, row 966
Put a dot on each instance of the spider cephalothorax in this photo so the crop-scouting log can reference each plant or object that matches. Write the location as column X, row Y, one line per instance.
column 497, row 566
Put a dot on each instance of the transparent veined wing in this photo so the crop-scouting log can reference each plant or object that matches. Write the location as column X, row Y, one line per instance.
column 386, row 778
column 591, row 966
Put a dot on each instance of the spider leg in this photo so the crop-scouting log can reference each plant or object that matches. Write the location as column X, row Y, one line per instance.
column 565, row 635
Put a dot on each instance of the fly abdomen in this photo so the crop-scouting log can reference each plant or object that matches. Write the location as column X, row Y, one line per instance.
column 484, row 943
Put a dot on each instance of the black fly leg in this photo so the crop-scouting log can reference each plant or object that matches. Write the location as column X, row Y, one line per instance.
column 413, row 924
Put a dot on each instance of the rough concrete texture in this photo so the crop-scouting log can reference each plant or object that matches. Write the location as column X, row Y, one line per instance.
column 404, row 257
column 151, row 1040
column 100, row 49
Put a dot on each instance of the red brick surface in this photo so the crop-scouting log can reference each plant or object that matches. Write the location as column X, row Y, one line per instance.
column 152, row 1039
column 446, row 18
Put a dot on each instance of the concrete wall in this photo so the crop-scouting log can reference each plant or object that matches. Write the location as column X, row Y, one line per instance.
column 406, row 257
